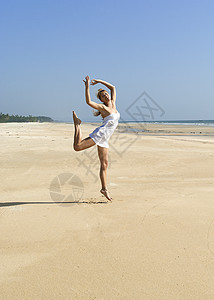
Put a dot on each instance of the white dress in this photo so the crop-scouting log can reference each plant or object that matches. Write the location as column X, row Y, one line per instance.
column 102, row 134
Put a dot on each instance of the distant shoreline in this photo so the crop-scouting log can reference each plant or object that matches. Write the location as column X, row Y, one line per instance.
column 209, row 123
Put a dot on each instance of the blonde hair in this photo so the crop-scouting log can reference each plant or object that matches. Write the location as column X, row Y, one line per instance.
column 98, row 93
column 96, row 113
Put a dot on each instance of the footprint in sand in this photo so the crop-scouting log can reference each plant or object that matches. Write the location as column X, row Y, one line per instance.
column 94, row 201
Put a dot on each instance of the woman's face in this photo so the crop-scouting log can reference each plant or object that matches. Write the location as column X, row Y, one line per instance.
column 104, row 96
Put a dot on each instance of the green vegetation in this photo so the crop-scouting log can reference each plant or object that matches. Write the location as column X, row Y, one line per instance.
column 4, row 118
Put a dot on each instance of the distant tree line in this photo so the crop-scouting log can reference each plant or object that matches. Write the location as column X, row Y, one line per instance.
column 4, row 118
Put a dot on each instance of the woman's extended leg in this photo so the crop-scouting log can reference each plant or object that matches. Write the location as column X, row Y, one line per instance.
column 103, row 156
column 80, row 144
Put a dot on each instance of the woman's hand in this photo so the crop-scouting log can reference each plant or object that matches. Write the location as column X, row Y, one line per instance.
column 87, row 79
column 94, row 81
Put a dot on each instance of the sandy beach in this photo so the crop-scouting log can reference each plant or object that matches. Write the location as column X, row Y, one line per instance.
column 60, row 239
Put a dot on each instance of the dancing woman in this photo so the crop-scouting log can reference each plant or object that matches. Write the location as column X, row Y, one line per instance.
column 100, row 136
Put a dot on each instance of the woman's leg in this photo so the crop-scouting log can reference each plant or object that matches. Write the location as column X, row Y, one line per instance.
column 103, row 156
column 80, row 144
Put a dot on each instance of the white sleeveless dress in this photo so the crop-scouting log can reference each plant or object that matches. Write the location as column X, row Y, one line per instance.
column 102, row 134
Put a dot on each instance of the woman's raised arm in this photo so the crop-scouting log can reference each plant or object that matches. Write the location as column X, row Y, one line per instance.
column 108, row 85
column 88, row 97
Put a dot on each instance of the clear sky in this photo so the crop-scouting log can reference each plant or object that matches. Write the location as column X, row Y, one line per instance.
column 164, row 47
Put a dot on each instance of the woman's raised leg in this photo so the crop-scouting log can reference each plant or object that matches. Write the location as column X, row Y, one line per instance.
column 80, row 144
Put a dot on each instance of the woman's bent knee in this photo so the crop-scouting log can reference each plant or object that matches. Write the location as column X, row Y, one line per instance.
column 77, row 147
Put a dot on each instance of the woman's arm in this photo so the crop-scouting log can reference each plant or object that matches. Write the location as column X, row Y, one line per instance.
column 108, row 85
column 88, row 97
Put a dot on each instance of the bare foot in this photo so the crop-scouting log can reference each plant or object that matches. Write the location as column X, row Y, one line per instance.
column 77, row 121
column 106, row 194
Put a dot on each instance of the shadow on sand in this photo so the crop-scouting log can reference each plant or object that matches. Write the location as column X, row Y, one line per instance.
column 62, row 203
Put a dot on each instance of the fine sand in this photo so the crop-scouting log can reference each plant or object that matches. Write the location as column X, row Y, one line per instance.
column 60, row 239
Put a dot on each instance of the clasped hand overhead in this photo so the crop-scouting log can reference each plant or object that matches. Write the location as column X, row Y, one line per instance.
column 87, row 80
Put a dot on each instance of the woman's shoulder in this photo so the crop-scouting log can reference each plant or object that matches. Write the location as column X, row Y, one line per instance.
column 108, row 112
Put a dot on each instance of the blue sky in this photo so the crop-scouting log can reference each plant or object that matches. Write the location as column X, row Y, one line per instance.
column 165, row 48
